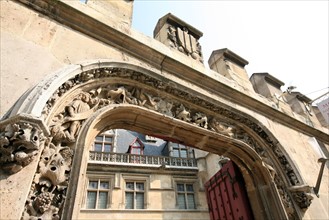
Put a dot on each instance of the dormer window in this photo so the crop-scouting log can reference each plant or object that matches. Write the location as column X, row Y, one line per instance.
column 136, row 147
column 180, row 150
column 104, row 142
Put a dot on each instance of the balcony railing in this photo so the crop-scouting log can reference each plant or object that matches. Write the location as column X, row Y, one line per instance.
column 120, row 158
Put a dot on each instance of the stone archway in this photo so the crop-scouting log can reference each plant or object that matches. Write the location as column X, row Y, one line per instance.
column 81, row 101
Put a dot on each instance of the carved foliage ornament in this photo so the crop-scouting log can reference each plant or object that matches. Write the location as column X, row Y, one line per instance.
column 48, row 191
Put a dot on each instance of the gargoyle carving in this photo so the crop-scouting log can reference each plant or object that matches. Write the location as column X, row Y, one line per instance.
column 19, row 143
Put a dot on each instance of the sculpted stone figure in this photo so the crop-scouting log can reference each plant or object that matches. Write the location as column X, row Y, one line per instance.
column 19, row 143
column 221, row 128
column 65, row 127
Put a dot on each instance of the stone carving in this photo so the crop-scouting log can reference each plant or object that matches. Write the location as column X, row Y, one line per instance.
column 66, row 124
column 63, row 134
column 182, row 40
column 303, row 199
column 49, row 185
column 183, row 114
column 19, row 144
column 215, row 125
column 200, row 119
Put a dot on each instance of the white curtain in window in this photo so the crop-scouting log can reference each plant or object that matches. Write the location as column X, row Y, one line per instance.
column 139, row 200
column 129, row 200
column 190, row 201
column 91, row 200
column 102, row 200
column 181, row 201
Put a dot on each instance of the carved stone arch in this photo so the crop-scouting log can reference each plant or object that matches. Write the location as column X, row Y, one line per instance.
column 65, row 100
column 250, row 163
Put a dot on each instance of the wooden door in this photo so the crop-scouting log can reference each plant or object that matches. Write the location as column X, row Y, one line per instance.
column 226, row 195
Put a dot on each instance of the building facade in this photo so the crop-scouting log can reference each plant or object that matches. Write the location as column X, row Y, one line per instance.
column 100, row 121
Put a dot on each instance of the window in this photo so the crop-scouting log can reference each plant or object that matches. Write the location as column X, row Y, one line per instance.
column 179, row 150
column 185, row 196
column 98, row 194
column 136, row 147
column 134, row 195
column 104, row 142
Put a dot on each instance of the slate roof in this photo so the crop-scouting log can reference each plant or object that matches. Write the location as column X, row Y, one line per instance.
column 126, row 137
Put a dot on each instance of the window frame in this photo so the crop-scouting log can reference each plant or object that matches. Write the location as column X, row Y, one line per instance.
column 140, row 147
column 99, row 179
column 104, row 142
column 196, row 188
column 180, row 148
column 136, row 178
column 134, row 191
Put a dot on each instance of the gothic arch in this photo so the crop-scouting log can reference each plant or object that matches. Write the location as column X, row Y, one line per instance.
column 76, row 103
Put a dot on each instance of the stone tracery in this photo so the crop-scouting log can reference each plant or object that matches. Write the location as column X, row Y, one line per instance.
column 49, row 187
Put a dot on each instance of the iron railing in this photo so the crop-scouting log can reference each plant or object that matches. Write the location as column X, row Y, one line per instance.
column 123, row 158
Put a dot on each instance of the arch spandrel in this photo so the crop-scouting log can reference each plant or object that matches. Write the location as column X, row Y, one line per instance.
column 133, row 92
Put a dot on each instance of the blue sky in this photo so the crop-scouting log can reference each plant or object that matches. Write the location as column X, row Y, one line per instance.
column 288, row 39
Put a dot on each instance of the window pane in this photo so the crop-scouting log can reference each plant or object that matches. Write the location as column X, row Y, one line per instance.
column 190, row 201
column 93, row 184
column 140, row 186
column 183, row 153
column 130, row 185
column 98, row 147
column 107, row 148
column 135, row 150
column 136, row 144
column 174, row 145
column 175, row 153
column 99, row 138
column 91, row 200
column 189, row 187
column 104, row 185
column 139, row 200
column 129, row 200
column 182, row 146
column 108, row 139
column 181, row 201
column 102, row 200
column 180, row 187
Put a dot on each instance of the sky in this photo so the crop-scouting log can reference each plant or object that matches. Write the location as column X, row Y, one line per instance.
column 287, row 39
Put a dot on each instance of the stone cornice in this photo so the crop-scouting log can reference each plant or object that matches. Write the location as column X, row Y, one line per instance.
column 188, row 70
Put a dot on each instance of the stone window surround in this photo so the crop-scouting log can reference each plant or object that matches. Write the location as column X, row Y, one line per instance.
column 139, row 179
column 97, row 177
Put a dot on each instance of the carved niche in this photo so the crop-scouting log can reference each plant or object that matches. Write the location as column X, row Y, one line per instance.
column 49, row 187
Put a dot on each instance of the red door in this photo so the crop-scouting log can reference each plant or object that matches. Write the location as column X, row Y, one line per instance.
column 226, row 195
